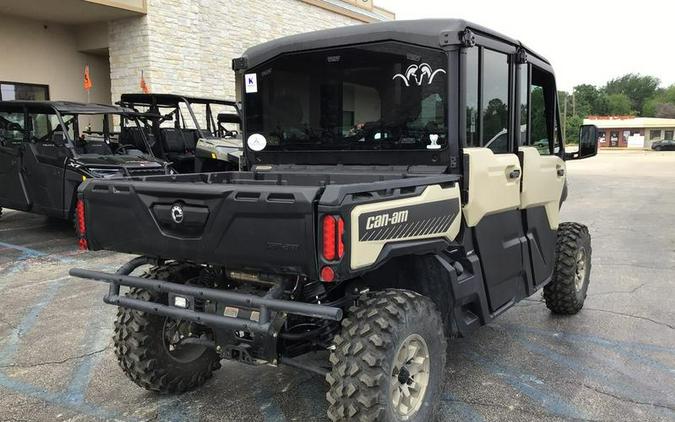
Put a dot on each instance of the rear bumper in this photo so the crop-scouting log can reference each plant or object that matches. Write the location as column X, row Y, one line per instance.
column 262, row 304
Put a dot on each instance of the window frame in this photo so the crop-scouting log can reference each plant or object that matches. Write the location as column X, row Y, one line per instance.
column 556, row 122
column 46, row 88
column 512, row 113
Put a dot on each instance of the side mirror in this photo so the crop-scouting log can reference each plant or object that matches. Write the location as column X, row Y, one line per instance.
column 588, row 143
column 58, row 139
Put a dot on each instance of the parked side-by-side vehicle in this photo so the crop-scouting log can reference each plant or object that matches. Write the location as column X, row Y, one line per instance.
column 372, row 221
column 194, row 134
column 47, row 148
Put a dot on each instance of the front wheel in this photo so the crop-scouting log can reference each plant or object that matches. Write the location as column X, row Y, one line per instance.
column 153, row 351
column 566, row 292
column 388, row 360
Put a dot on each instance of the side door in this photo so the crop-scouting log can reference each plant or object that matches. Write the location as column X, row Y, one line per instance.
column 43, row 162
column 544, row 173
column 493, row 172
column 13, row 193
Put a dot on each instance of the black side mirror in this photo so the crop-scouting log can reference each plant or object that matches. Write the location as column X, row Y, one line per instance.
column 58, row 139
column 588, row 143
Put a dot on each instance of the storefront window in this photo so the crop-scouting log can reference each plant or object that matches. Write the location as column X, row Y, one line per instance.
column 19, row 91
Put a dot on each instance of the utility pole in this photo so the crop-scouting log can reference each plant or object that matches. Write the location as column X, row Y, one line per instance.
column 564, row 123
column 574, row 104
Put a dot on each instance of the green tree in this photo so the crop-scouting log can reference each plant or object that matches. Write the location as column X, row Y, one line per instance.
column 619, row 104
column 637, row 88
column 572, row 126
column 661, row 104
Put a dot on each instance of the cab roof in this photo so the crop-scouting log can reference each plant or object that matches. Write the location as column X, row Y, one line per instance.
column 423, row 32
column 170, row 99
column 65, row 107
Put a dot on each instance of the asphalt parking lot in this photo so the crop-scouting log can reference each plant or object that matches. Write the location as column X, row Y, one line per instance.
column 614, row 361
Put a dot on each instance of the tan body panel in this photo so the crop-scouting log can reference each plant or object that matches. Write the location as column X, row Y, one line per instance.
column 542, row 186
column 491, row 190
column 365, row 252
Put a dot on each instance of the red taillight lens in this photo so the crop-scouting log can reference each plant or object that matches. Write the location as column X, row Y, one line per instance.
column 81, row 224
column 329, row 237
column 341, row 232
column 333, row 231
column 327, row 274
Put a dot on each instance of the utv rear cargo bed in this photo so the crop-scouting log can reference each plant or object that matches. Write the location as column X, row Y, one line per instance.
column 263, row 220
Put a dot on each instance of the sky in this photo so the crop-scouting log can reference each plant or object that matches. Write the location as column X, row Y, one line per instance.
column 587, row 42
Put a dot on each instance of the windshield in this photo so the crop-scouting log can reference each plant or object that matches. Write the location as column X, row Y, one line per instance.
column 207, row 116
column 100, row 134
column 378, row 96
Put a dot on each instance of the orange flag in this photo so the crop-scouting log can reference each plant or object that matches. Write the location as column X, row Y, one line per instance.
column 87, row 79
column 144, row 86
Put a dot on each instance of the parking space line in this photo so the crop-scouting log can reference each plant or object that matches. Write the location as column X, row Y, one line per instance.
column 34, row 253
column 459, row 409
column 96, row 338
column 632, row 393
column 622, row 347
column 525, row 384
column 173, row 409
column 269, row 409
column 57, row 399
column 11, row 345
column 27, row 251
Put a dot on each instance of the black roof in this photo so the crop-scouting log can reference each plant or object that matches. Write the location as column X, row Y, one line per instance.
column 66, row 107
column 423, row 32
column 170, row 99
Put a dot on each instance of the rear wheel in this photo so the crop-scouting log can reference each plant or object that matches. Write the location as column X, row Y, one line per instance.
column 566, row 292
column 388, row 360
column 154, row 351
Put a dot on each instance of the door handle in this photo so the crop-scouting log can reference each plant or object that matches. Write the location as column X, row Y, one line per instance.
column 560, row 171
column 514, row 174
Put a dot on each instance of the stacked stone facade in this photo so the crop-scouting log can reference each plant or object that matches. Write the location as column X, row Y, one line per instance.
column 187, row 46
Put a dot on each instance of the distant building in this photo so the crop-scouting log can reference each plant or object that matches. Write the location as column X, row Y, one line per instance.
column 631, row 132
column 180, row 46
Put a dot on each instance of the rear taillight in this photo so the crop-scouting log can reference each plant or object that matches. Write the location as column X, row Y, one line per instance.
column 81, row 224
column 341, row 232
column 332, row 234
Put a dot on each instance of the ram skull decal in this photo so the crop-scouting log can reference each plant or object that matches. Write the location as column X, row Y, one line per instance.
column 416, row 74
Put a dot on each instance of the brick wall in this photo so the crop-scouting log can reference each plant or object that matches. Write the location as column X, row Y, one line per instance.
column 186, row 46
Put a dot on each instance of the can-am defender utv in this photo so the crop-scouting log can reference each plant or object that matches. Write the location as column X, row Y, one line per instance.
column 372, row 221
column 47, row 148
column 195, row 134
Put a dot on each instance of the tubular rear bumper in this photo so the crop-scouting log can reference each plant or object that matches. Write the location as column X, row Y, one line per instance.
column 263, row 304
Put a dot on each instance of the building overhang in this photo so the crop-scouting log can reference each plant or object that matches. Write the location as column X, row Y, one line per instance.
column 73, row 12
column 362, row 10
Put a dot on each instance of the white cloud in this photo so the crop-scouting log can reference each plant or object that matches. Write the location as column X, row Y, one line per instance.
column 587, row 41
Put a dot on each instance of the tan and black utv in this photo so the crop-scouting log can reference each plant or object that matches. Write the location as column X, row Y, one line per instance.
column 402, row 187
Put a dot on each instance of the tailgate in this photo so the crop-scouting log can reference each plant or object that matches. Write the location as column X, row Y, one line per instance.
column 266, row 227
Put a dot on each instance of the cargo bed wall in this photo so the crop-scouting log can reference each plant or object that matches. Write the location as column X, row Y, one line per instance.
column 242, row 225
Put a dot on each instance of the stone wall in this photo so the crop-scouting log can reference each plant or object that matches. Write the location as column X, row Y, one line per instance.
column 187, row 46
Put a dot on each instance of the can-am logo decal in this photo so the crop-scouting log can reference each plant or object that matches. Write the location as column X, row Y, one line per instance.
column 432, row 218
column 381, row 220
column 417, row 74
column 177, row 213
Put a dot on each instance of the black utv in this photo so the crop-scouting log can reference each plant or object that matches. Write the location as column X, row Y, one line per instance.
column 194, row 134
column 373, row 221
column 47, row 149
